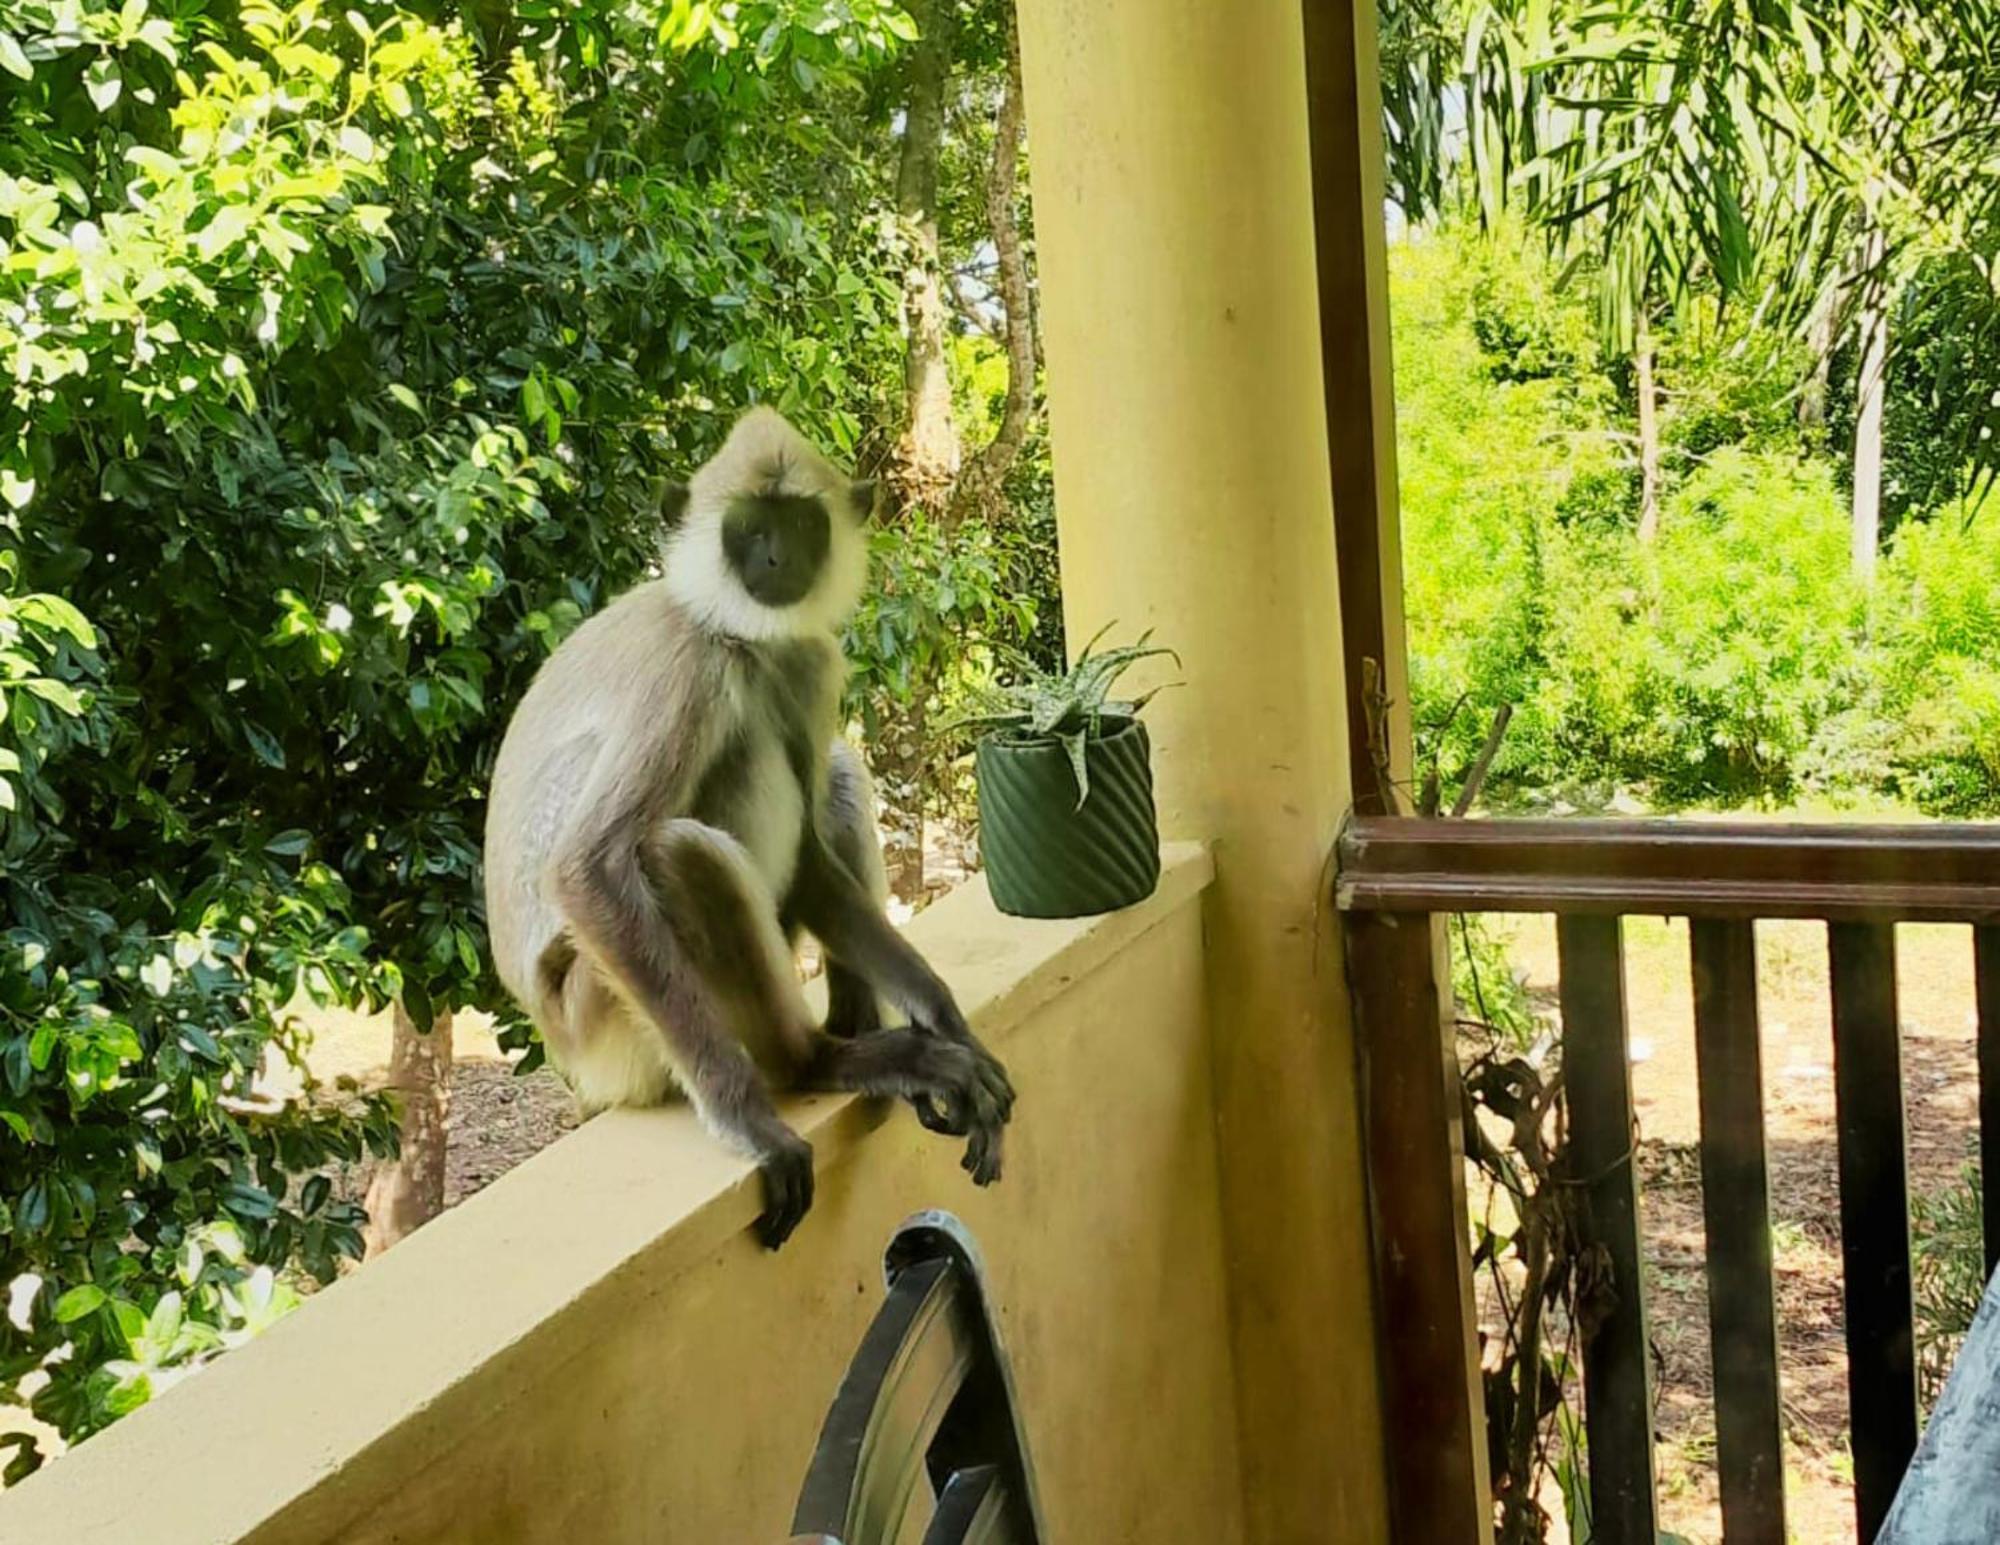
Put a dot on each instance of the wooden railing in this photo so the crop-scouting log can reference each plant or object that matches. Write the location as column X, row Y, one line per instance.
column 1396, row 872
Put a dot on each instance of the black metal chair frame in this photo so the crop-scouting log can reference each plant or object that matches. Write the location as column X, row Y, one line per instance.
column 928, row 1403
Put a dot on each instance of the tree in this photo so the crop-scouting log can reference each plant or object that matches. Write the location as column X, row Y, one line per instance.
column 407, row 1192
column 985, row 477
column 1745, row 150
column 962, row 75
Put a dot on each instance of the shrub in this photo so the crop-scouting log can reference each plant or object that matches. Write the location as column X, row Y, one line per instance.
column 1743, row 644
column 1936, row 628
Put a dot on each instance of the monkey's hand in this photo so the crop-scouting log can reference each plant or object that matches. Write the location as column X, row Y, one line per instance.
column 940, row 1016
column 787, row 1168
column 978, row 1103
column 966, row 1113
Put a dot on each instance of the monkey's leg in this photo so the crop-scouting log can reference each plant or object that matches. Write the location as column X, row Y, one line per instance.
column 679, row 920
column 848, row 820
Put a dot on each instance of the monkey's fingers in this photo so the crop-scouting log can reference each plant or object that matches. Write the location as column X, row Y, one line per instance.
column 788, row 1191
column 982, row 1155
column 994, row 1082
column 952, row 1118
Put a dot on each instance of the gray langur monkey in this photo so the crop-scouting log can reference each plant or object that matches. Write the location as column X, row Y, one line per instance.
column 672, row 803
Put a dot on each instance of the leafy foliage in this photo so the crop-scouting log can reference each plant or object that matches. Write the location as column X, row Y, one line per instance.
column 343, row 353
column 1736, row 660
column 1948, row 1276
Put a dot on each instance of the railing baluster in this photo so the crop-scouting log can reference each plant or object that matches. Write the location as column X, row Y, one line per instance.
column 1617, row 1372
column 1736, row 1203
column 1986, row 958
column 1874, row 1214
column 1439, row 1490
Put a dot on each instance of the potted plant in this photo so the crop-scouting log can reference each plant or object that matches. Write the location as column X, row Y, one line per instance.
column 1067, row 826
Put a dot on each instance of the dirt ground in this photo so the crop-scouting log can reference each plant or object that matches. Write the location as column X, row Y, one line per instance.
column 1940, row 1088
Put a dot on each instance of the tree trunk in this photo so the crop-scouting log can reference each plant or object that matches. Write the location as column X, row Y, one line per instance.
column 901, row 763
column 1819, row 343
column 979, row 488
column 408, row 1191
column 1649, row 436
column 927, row 457
column 1869, row 393
column 929, row 454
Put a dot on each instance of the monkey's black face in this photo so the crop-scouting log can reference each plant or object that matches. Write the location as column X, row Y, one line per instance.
column 777, row 544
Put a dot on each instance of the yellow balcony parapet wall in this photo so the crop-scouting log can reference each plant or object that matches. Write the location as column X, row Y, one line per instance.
column 595, row 1349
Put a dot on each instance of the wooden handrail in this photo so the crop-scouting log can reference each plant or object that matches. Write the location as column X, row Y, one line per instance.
column 1672, row 868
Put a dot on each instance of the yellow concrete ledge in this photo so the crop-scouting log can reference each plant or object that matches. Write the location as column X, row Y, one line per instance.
column 315, row 1431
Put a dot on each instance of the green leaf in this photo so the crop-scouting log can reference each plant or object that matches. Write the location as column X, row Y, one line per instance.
column 165, row 1321
column 131, row 1319
column 289, row 844
column 79, row 1301
column 132, row 1390
column 54, row 613
column 315, row 1194
column 42, row 1044
column 158, row 35
column 34, row 1211
column 15, row 1068
column 202, row 1043
column 1077, row 744
column 102, row 83
column 248, row 1201
column 265, row 744
column 27, row 1457
column 58, row 693
column 406, row 397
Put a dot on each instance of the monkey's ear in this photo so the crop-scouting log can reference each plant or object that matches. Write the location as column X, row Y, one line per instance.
column 673, row 503
column 863, row 493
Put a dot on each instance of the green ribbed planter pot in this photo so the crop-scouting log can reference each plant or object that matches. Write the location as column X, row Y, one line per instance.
column 1046, row 858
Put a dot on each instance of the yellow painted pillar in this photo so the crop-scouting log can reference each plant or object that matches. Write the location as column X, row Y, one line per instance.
column 1174, row 229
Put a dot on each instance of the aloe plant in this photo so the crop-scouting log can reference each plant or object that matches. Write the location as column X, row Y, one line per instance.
column 1070, row 707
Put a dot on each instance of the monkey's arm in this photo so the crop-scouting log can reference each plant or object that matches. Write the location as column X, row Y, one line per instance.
column 838, row 911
